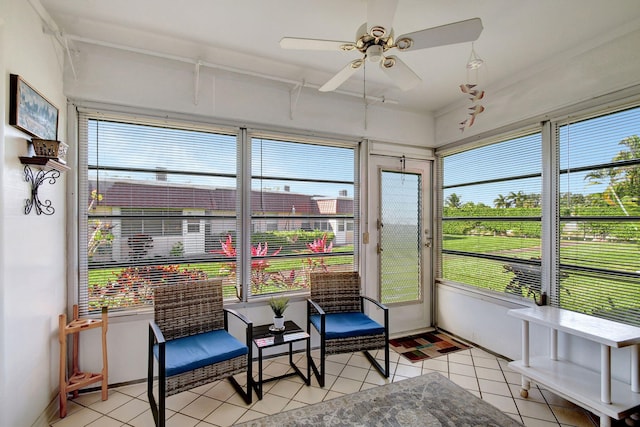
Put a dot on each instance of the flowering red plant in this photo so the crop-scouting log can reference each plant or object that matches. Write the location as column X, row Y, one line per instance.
column 319, row 246
column 259, row 275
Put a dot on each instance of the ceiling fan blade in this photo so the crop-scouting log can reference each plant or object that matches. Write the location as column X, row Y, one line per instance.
column 314, row 44
column 399, row 72
column 380, row 13
column 457, row 32
column 342, row 76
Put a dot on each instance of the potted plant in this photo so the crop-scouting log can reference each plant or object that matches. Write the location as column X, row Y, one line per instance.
column 278, row 305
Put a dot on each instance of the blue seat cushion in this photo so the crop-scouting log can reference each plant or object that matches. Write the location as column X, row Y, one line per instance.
column 346, row 325
column 193, row 352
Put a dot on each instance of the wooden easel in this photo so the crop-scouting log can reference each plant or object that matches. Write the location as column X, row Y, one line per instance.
column 78, row 379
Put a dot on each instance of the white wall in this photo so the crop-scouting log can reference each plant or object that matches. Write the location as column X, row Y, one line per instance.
column 576, row 77
column 32, row 247
column 120, row 77
column 612, row 66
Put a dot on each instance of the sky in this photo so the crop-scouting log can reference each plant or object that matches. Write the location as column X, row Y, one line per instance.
column 585, row 143
column 209, row 159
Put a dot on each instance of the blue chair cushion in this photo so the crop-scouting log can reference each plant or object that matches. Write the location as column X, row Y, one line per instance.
column 193, row 352
column 346, row 325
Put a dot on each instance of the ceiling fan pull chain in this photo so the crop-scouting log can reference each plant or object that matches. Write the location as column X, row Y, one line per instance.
column 364, row 93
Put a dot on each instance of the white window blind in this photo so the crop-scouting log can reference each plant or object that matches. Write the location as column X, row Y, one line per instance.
column 491, row 228
column 303, row 210
column 599, row 248
column 155, row 201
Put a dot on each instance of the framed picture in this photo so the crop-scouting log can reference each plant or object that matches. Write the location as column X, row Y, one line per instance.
column 31, row 112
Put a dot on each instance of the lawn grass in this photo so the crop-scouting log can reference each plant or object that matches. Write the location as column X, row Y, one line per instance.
column 590, row 293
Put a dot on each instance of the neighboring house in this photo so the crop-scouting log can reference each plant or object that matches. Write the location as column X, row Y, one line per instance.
column 130, row 208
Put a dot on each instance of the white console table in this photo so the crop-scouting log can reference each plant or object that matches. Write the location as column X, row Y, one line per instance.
column 594, row 391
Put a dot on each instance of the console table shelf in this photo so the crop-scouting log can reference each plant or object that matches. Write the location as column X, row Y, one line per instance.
column 595, row 391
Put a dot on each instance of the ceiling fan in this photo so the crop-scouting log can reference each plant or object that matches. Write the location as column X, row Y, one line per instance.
column 375, row 38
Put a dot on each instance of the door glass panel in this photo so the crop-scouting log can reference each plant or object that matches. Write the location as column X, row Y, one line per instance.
column 400, row 237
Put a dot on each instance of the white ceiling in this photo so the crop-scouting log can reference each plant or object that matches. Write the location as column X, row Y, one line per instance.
column 519, row 37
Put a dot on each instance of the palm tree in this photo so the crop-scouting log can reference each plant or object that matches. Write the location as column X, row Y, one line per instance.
column 624, row 181
column 517, row 199
column 501, row 202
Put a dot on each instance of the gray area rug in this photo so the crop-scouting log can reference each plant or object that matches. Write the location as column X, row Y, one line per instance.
column 429, row 400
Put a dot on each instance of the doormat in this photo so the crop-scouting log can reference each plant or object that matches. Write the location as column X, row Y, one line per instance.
column 425, row 346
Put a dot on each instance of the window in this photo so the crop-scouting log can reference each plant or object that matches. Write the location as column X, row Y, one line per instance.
column 491, row 219
column 161, row 203
column 288, row 195
column 599, row 248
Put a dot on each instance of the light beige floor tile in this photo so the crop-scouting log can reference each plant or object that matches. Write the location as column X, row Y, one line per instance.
column 79, row 418
column 106, row 421
column 332, row 395
column 504, row 403
column 340, row 358
column 134, row 390
column 143, row 420
column 129, row 410
column 374, row 377
column 250, row 415
column 494, row 387
column 485, row 362
column 201, row 407
column 489, row 374
column 359, row 360
column 275, row 369
column 534, row 422
column 480, row 353
column 408, row 371
column 462, row 369
column 222, row 391
column 460, row 357
column 181, row 420
column 512, row 377
column 225, row 415
column 88, row 399
column 286, row 388
column 270, row 404
column 346, row 385
column 354, row 373
column 333, row 368
column 310, row 395
column 294, row 404
column 468, row 383
column 575, row 417
column 115, row 400
column 438, row 364
column 555, row 400
column 178, row 401
column 535, row 410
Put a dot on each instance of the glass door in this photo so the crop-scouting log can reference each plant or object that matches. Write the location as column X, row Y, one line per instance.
column 400, row 239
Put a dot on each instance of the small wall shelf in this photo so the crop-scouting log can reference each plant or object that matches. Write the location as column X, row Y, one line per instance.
column 47, row 169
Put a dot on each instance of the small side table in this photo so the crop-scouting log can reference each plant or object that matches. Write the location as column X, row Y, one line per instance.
column 263, row 338
column 76, row 378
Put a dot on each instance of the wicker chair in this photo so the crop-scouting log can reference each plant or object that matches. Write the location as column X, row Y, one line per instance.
column 336, row 311
column 190, row 340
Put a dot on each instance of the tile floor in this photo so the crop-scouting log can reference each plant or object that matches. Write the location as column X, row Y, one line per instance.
column 216, row 404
